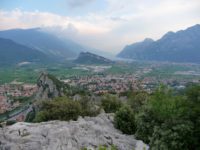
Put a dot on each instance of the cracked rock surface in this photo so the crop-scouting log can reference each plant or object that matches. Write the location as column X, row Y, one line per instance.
column 88, row 132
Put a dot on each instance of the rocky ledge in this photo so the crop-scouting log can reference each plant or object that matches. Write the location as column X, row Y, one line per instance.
column 88, row 132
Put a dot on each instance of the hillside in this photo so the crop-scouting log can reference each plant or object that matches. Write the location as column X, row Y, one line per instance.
column 13, row 53
column 135, row 50
column 181, row 46
column 90, row 58
column 44, row 42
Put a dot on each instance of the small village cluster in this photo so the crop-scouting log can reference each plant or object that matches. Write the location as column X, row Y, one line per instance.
column 9, row 93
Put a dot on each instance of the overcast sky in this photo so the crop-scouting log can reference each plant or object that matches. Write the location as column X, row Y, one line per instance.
column 107, row 25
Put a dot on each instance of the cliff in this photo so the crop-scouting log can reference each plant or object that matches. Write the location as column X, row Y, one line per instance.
column 49, row 87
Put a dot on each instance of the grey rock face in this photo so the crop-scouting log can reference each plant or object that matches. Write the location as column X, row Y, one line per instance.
column 88, row 132
column 47, row 88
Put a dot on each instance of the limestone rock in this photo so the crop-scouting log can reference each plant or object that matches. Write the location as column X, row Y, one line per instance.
column 88, row 132
column 48, row 87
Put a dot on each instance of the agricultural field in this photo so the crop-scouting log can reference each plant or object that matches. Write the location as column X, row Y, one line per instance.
column 30, row 73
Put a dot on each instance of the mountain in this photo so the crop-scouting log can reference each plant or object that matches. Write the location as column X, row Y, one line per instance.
column 90, row 58
column 12, row 53
column 135, row 50
column 45, row 42
column 181, row 46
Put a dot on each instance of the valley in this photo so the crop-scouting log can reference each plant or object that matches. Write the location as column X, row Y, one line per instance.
column 162, row 71
column 19, row 84
column 56, row 93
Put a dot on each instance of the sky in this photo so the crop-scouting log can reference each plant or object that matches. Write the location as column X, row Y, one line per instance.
column 107, row 25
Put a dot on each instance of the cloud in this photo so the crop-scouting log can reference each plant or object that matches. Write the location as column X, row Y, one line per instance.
column 117, row 18
column 78, row 3
column 121, row 23
column 24, row 19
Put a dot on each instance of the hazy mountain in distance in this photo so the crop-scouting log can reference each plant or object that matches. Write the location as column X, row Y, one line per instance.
column 13, row 53
column 135, row 50
column 181, row 46
column 90, row 58
column 101, row 53
column 65, row 35
column 44, row 42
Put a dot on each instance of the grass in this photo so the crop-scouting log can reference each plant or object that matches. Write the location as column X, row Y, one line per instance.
column 19, row 74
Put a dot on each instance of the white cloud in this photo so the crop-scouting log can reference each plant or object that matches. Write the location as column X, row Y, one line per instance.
column 78, row 3
column 123, row 22
column 24, row 19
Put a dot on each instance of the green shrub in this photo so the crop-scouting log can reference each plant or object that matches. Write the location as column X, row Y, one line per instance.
column 169, row 121
column 124, row 120
column 88, row 107
column 172, row 135
column 110, row 103
column 193, row 97
column 193, row 93
column 161, row 107
column 137, row 100
column 64, row 108
column 164, row 105
column 112, row 147
column 144, row 125
column 59, row 109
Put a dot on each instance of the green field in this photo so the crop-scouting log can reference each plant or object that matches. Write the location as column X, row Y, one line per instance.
column 30, row 73
column 168, row 71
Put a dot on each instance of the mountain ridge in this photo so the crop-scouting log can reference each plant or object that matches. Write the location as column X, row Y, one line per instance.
column 13, row 53
column 180, row 46
column 43, row 41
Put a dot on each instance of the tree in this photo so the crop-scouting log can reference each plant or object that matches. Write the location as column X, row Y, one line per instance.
column 193, row 97
column 124, row 120
column 193, row 93
column 88, row 107
column 144, row 123
column 110, row 103
column 137, row 100
column 173, row 135
column 59, row 109
column 164, row 120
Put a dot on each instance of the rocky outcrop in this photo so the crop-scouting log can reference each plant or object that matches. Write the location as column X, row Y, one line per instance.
column 91, row 59
column 48, row 87
column 88, row 132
